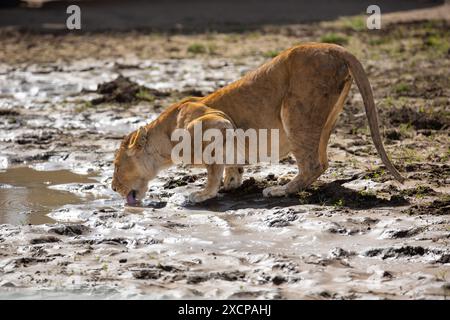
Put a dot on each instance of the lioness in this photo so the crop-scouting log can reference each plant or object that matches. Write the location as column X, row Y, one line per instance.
column 300, row 92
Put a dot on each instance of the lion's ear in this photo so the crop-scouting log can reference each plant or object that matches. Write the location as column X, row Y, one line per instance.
column 138, row 140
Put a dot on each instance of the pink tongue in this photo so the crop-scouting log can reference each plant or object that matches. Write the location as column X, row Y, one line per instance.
column 131, row 200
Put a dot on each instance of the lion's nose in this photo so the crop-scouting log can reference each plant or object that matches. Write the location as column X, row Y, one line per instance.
column 114, row 188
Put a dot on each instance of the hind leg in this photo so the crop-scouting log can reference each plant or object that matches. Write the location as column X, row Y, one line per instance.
column 304, row 141
column 311, row 162
column 308, row 130
column 233, row 177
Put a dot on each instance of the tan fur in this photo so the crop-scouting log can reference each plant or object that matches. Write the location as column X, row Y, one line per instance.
column 300, row 92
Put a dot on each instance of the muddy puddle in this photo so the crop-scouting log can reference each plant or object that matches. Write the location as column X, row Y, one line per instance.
column 26, row 196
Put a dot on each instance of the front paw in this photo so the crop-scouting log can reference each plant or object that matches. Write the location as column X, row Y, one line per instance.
column 276, row 191
column 200, row 196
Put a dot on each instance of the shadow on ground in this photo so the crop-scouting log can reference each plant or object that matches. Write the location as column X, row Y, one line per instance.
column 249, row 195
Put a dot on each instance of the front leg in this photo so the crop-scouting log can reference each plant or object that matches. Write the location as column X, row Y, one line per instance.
column 215, row 173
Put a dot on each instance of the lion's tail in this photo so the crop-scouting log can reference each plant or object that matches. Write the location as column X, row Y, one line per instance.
column 358, row 73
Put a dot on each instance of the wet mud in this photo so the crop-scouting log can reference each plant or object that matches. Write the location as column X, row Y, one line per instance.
column 355, row 233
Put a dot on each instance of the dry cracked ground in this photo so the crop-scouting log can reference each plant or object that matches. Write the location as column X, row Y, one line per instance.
column 67, row 100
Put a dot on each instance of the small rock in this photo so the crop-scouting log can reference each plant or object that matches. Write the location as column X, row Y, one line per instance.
column 277, row 280
column 70, row 230
column 147, row 274
column 45, row 239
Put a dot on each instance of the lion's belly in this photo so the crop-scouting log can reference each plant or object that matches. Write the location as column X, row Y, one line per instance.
column 274, row 140
column 264, row 117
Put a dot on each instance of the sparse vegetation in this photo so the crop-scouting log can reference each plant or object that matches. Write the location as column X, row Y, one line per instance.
column 270, row 53
column 200, row 48
column 402, row 88
column 405, row 129
column 85, row 105
column 438, row 43
column 376, row 175
column 197, row 48
column 418, row 192
column 334, row 38
column 144, row 94
column 410, row 155
column 339, row 203
column 356, row 23
column 212, row 49
column 377, row 41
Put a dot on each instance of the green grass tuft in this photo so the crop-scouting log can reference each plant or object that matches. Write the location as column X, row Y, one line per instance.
column 197, row 48
column 357, row 23
column 437, row 43
column 334, row 38
column 144, row 94
column 270, row 54
column 402, row 88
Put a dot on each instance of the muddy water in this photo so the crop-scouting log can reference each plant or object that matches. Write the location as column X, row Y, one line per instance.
column 25, row 196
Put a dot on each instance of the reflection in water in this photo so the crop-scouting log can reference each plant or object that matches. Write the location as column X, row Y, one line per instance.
column 25, row 198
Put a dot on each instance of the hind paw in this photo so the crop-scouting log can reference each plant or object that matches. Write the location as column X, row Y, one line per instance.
column 276, row 191
column 200, row 196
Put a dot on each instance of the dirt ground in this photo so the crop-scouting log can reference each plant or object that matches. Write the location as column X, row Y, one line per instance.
column 354, row 234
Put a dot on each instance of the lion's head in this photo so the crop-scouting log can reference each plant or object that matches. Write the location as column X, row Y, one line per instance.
column 132, row 167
